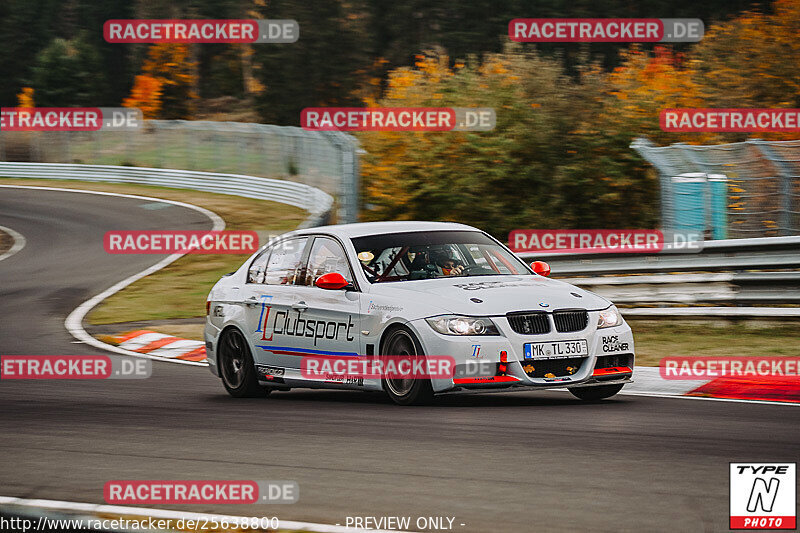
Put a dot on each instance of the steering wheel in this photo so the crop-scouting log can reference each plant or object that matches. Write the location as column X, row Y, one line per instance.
column 472, row 268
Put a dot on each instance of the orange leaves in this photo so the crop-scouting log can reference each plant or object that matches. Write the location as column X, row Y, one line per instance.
column 164, row 89
column 146, row 95
column 25, row 98
column 171, row 64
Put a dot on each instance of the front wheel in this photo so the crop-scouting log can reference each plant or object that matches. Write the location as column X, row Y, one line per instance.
column 405, row 391
column 595, row 393
column 236, row 367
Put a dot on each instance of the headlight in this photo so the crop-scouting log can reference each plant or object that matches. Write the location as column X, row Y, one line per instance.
column 463, row 325
column 609, row 318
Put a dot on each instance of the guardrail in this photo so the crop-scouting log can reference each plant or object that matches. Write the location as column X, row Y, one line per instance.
column 317, row 202
column 734, row 272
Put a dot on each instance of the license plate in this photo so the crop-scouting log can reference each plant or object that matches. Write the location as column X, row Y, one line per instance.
column 556, row 349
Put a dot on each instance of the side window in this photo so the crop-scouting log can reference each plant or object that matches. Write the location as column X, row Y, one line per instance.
column 258, row 267
column 284, row 264
column 327, row 255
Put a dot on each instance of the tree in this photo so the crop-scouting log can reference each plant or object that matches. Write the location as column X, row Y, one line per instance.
column 751, row 61
column 146, row 95
column 545, row 165
column 68, row 73
column 165, row 86
column 325, row 67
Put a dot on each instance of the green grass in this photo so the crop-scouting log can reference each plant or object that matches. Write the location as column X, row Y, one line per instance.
column 180, row 289
column 654, row 340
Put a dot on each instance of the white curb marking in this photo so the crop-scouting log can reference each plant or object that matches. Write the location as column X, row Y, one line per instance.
column 19, row 242
column 74, row 322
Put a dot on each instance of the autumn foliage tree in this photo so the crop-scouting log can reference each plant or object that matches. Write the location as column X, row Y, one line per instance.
column 544, row 165
column 146, row 95
column 164, row 89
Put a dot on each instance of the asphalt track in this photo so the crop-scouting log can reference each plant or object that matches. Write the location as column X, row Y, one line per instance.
column 498, row 462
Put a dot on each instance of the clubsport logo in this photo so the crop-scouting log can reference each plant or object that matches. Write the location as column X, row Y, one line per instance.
column 283, row 323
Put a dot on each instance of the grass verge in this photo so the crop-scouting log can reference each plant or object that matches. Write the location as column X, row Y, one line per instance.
column 180, row 289
column 654, row 341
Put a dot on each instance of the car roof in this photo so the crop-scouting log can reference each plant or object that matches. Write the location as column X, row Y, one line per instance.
column 363, row 229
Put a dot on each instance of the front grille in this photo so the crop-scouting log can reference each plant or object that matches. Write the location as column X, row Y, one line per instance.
column 529, row 323
column 567, row 321
column 552, row 368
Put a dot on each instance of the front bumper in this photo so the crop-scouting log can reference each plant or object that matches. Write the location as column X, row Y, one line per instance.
column 610, row 359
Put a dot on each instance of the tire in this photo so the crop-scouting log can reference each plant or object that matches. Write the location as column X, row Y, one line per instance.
column 236, row 367
column 598, row 392
column 401, row 341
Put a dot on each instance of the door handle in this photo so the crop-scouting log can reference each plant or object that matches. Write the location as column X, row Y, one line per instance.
column 251, row 302
column 300, row 306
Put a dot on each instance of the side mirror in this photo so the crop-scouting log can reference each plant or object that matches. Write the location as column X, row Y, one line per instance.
column 332, row 281
column 541, row 268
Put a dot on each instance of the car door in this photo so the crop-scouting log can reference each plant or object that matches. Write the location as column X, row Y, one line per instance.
column 269, row 295
column 330, row 317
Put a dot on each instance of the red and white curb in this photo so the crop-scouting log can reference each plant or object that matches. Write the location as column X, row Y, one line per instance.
column 648, row 381
column 160, row 345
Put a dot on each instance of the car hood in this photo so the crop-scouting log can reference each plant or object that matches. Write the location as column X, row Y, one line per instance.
column 497, row 295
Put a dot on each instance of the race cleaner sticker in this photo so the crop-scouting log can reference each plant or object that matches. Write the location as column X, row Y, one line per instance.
column 762, row 495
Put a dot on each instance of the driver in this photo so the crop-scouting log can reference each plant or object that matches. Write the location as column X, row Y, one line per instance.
column 448, row 265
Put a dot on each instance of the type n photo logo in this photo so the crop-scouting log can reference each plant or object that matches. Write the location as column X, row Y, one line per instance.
column 762, row 496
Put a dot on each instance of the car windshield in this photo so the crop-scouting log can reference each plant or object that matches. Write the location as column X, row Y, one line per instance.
column 434, row 254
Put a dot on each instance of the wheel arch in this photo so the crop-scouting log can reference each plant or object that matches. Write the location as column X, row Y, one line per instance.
column 225, row 329
column 394, row 326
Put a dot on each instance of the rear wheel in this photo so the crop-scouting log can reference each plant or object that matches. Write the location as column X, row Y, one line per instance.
column 595, row 393
column 405, row 391
column 236, row 367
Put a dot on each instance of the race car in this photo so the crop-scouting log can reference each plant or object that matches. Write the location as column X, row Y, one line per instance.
column 368, row 292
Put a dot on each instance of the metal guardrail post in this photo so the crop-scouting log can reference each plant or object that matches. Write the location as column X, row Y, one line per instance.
column 349, row 191
column 786, row 185
column 646, row 149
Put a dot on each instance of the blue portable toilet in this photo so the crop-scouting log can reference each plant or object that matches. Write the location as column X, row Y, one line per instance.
column 699, row 204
